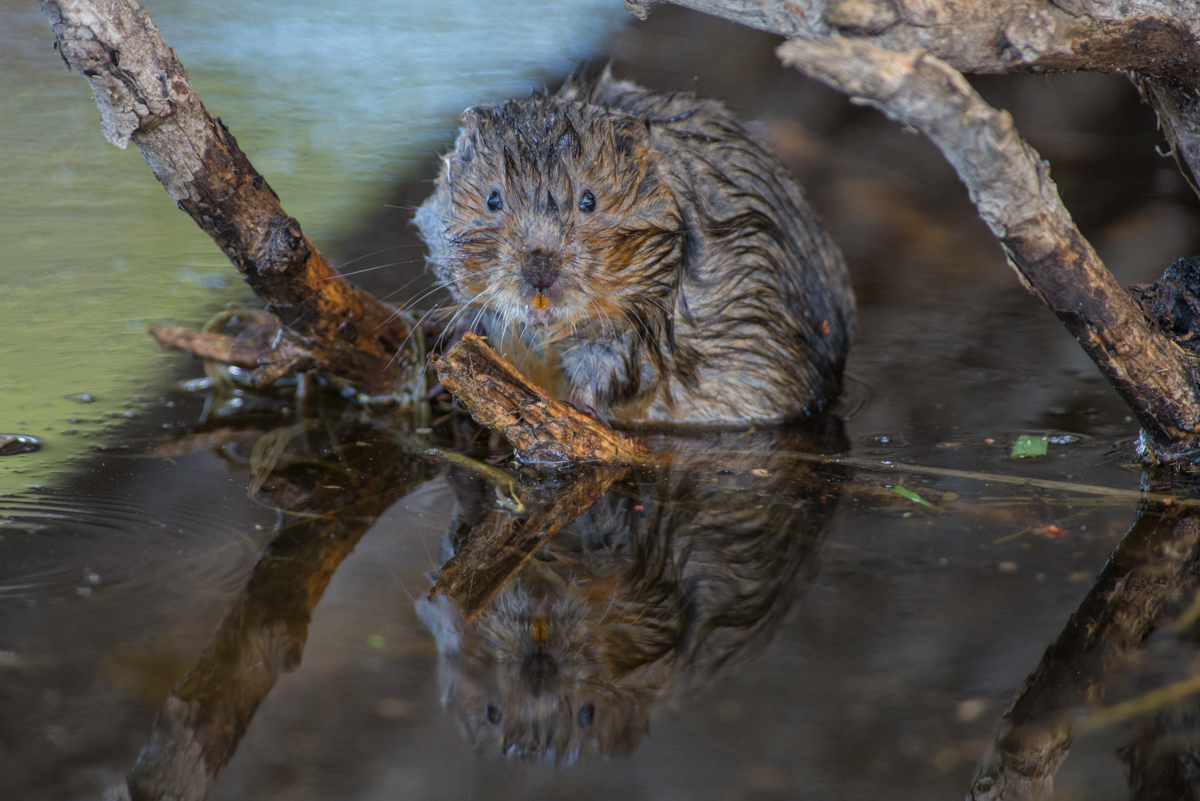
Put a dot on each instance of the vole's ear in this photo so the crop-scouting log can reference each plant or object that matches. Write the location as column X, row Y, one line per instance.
column 631, row 137
column 472, row 117
column 469, row 139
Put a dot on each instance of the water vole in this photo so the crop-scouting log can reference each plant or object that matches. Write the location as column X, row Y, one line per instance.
column 641, row 255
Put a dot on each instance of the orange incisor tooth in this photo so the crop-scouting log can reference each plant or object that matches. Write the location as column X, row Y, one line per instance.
column 541, row 628
column 539, row 301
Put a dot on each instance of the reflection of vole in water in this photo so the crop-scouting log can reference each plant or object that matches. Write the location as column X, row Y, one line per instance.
column 666, row 583
column 645, row 253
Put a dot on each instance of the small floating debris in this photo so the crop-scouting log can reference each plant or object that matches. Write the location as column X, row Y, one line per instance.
column 13, row 444
column 81, row 397
column 1028, row 446
column 1064, row 439
column 196, row 385
column 914, row 497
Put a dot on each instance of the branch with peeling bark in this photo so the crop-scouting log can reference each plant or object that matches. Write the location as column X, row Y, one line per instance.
column 544, row 431
column 145, row 97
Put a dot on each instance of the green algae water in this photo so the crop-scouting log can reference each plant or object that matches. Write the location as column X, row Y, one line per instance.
column 332, row 106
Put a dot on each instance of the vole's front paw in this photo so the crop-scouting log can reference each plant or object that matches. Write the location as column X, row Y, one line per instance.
column 583, row 399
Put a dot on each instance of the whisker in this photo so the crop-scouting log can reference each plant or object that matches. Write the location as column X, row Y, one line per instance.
column 376, row 267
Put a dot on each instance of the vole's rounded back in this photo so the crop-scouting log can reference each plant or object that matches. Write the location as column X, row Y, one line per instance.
column 642, row 255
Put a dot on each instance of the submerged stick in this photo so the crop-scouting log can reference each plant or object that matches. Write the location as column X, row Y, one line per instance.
column 542, row 430
column 145, row 97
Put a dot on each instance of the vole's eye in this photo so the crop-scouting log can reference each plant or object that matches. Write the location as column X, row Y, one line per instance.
column 494, row 203
column 492, row 712
column 588, row 201
column 586, row 714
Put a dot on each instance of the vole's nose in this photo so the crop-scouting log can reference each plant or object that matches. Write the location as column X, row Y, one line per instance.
column 540, row 268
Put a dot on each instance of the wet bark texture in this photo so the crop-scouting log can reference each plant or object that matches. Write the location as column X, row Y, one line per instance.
column 267, row 360
column 542, row 430
column 906, row 58
column 144, row 97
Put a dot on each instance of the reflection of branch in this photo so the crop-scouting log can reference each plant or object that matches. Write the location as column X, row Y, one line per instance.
column 500, row 544
column 264, row 632
column 1160, row 551
column 542, row 430
column 145, row 97
column 1164, row 760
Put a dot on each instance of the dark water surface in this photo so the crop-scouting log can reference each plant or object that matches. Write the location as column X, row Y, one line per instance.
column 761, row 618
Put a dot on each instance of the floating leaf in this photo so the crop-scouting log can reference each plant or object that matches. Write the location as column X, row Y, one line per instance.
column 1027, row 446
column 914, row 497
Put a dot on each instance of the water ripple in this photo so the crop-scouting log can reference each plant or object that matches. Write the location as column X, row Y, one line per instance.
column 59, row 544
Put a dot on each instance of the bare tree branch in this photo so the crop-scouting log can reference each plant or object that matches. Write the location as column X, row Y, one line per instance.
column 1158, row 40
column 145, row 98
column 1012, row 189
column 1155, row 38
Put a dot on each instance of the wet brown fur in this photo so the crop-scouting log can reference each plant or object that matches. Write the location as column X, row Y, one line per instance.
column 699, row 289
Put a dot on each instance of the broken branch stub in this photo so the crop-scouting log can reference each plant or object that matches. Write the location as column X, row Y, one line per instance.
column 543, row 431
column 1012, row 189
column 268, row 362
column 145, row 97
